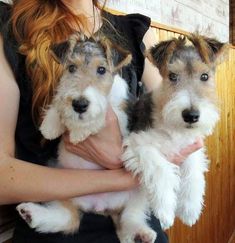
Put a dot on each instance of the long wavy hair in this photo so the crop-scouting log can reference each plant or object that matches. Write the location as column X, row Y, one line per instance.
column 37, row 24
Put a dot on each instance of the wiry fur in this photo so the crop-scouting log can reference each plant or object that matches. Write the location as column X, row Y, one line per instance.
column 171, row 189
column 128, row 208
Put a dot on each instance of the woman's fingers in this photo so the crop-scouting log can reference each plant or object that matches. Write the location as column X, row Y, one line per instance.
column 104, row 148
column 185, row 152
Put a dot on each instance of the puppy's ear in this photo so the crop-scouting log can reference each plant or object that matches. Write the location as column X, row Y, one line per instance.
column 60, row 51
column 111, row 49
column 161, row 53
column 209, row 49
column 219, row 50
column 51, row 126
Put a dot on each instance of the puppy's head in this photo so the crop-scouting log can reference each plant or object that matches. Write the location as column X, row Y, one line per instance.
column 81, row 97
column 187, row 98
column 88, row 73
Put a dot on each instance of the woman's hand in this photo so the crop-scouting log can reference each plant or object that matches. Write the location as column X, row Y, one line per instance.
column 185, row 152
column 104, row 148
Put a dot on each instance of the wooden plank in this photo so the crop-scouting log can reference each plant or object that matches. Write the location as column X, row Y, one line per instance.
column 232, row 239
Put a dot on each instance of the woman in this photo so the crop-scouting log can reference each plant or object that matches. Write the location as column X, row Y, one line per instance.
column 28, row 75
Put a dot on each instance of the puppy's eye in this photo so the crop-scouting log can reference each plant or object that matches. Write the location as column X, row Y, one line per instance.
column 204, row 77
column 72, row 68
column 101, row 70
column 173, row 77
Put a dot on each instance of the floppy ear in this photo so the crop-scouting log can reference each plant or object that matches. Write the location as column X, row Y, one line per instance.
column 60, row 51
column 110, row 49
column 51, row 126
column 161, row 53
column 209, row 49
column 218, row 49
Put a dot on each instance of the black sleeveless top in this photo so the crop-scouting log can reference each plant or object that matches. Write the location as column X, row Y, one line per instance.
column 94, row 228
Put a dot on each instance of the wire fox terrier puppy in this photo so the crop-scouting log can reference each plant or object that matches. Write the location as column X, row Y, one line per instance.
column 182, row 109
column 88, row 84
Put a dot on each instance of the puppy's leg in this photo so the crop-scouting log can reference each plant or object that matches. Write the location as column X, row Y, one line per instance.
column 51, row 126
column 56, row 216
column 192, row 189
column 158, row 177
column 133, row 226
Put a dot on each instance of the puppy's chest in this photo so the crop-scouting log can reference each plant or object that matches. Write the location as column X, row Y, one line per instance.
column 174, row 142
column 164, row 141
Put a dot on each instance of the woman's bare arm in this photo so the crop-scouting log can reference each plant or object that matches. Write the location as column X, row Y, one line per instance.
column 23, row 181
column 151, row 76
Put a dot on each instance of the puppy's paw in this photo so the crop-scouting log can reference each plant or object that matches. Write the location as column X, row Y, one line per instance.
column 30, row 212
column 189, row 213
column 166, row 218
column 145, row 236
column 139, row 235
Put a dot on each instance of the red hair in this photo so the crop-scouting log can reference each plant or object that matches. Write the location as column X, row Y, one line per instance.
column 37, row 24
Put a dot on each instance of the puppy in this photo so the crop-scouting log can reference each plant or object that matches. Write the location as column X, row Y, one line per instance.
column 170, row 118
column 88, row 84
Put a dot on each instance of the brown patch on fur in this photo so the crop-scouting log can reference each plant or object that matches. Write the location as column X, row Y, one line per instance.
column 108, row 52
column 123, row 63
column 202, row 47
column 127, row 57
column 75, row 217
column 160, row 54
column 209, row 49
column 123, row 106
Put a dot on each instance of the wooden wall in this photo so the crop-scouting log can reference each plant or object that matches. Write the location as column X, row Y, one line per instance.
column 217, row 223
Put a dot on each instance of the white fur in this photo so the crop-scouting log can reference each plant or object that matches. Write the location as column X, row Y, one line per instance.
column 172, row 189
column 50, row 217
column 118, row 95
column 51, row 125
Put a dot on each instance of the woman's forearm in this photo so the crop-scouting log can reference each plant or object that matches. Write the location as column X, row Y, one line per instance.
column 22, row 181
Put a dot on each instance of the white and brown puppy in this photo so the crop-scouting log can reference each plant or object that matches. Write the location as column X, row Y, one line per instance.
column 88, row 84
column 170, row 118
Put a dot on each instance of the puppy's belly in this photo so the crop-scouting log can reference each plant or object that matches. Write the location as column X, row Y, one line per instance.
column 95, row 202
column 73, row 161
column 102, row 202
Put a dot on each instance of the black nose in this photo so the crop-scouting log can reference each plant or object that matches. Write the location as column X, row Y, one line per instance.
column 80, row 105
column 190, row 116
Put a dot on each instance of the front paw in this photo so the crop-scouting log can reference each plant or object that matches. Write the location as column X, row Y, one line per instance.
column 166, row 218
column 189, row 213
column 143, row 235
column 30, row 213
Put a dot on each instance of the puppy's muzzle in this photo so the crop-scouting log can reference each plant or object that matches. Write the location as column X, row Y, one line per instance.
column 80, row 105
column 190, row 115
